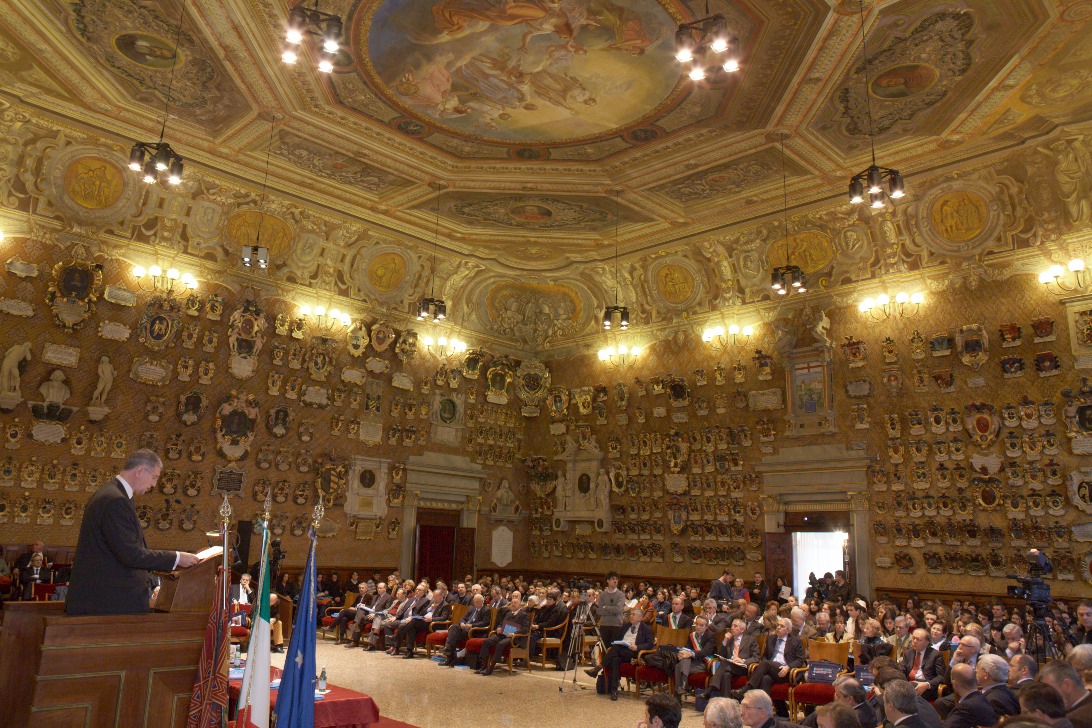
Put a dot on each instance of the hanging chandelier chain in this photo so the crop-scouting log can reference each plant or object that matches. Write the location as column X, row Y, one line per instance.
column 174, row 67
column 864, row 67
column 785, row 198
column 617, row 194
column 435, row 240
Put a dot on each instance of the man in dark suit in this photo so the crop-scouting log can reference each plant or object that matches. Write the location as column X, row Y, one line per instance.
column 887, row 675
column 34, row 573
column 677, row 618
column 348, row 614
column 1064, row 678
column 476, row 617
column 992, row 673
column 435, row 610
column 900, row 704
column 923, row 665
column 849, row 692
column 760, row 591
column 38, row 547
column 756, row 710
column 971, row 708
column 754, row 625
column 738, row 651
column 1022, row 671
column 784, row 651
column 517, row 621
column 1039, row 700
column 549, row 616
column 380, row 603
column 414, row 607
column 800, row 627
column 110, row 569
column 697, row 655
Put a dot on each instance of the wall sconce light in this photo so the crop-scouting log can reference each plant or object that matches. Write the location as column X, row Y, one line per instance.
column 619, row 356
column 1056, row 274
column 443, row 347
column 719, row 339
column 163, row 281
column 322, row 320
column 882, row 307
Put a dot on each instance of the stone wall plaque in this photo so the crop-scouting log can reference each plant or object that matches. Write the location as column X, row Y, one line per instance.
column 766, row 399
column 120, row 296
column 501, row 551
column 16, row 307
column 61, row 355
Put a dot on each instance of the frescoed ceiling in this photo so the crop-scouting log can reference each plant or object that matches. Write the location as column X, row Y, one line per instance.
column 528, row 136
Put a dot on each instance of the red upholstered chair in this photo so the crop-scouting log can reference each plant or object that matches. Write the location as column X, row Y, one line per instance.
column 437, row 631
column 638, row 672
column 329, row 619
column 239, row 633
column 813, row 693
column 477, row 636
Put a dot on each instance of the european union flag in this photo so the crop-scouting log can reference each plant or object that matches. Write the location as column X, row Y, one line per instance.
column 296, row 698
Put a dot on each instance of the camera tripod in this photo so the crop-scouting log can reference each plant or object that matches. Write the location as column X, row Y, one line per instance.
column 581, row 618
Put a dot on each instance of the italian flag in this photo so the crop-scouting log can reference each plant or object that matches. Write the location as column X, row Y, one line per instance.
column 254, row 695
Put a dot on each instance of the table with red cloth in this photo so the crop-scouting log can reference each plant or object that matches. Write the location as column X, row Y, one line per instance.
column 340, row 708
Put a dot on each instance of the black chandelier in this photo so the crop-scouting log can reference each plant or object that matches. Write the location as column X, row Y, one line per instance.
column 622, row 312
column 788, row 277
column 155, row 158
column 872, row 179
column 304, row 21
column 431, row 307
column 706, row 44
column 257, row 254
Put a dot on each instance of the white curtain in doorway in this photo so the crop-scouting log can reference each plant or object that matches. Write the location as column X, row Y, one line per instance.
column 815, row 552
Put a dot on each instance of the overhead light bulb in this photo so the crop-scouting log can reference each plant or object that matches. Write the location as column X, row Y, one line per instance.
column 602, row 355
column 305, row 310
column 289, row 56
column 1045, row 277
column 707, row 335
column 684, row 55
column 174, row 177
column 442, row 341
column 623, row 350
column 697, row 73
column 731, row 65
column 856, row 191
column 1076, row 265
column 320, row 310
column 162, row 158
column 150, row 175
column 294, row 36
column 326, row 65
column 191, row 283
column 867, row 304
column 635, row 351
column 334, row 314
column 136, row 158
column 782, row 291
column 173, row 274
column 732, row 330
column 896, row 186
column 428, row 341
column 877, row 199
column 875, row 179
column 719, row 45
column 345, row 319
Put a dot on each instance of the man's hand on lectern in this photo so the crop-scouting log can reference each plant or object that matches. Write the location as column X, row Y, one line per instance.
column 185, row 559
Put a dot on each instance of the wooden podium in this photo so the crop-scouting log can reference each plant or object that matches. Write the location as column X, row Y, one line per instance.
column 123, row 671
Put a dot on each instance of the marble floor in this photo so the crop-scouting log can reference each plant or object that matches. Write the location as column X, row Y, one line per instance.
column 422, row 693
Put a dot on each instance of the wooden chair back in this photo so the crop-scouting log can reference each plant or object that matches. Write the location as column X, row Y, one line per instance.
column 286, row 613
column 821, row 650
column 674, row 637
column 761, row 640
column 457, row 612
column 349, row 599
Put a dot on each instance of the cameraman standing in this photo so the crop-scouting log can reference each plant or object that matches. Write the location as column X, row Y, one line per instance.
column 610, row 606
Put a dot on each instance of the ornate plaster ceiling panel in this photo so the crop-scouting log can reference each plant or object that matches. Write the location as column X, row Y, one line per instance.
column 18, row 69
column 731, row 177
column 926, row 65
column 133, row 42
column 534, row 213
column 335, row 166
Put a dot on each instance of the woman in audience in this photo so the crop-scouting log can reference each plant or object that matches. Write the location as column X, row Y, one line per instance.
column 286, row 586
column 779, row 587
column 662, row 604
column 871, row 643
column 838, row 633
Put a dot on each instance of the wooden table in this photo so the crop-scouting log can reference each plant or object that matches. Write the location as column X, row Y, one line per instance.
column 340, row 708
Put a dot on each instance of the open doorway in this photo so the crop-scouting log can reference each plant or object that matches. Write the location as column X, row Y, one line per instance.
column 816, row 553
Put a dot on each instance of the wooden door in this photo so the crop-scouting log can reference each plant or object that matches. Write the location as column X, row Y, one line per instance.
column 464, row 553
column 779, row 558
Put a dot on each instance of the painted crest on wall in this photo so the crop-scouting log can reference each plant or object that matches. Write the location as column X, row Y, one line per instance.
column 75, row 287
column 532, row 381
column 160, row 322
column 675, row 282
column 236, row 421
column 246, row 334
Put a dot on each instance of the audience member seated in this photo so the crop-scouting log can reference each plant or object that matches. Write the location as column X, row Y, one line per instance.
column 696, row 656
column 550, row 615
column 1083, row 630
column 849, row 692
column 677, row 618
column 836, row 715
column 662, row 711
column 737, row 652
column 387, row 618
column 784, row 651
column 751, row 613
column 923, row 665
column 971, row 708
column 276, row 628
column 435, row 610
column 35, row 572
column 348, row 614
column 965, row 654
column 517, row 621
column 396, row 629
column 992, row 673
column 1039, row 700
column 900, row 705
column 243, row 592
column 374, row 608
column 636, row 638
column 1062, row 677
column 756, row 708
column 722, row 713
column 476, row 617
column 1080, row 657
column 886, row 672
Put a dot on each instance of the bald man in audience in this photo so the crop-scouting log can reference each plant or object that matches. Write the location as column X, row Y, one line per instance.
column 849, row 691
column 971, row 709
column 1078, row 700
column 992, row 673
column 1022, row 672
column 923, row 665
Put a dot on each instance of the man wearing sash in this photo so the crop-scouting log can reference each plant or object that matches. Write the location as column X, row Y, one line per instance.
column 697, row 655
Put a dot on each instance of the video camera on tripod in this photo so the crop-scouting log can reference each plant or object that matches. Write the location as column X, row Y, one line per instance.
column 1032, row 588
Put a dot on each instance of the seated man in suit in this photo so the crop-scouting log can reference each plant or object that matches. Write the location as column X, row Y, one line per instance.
column 548, row 616
column 476, row 617
column 718, row 621
column 35, row 572
column 389, row 617
column 373, row 607
column 900, row 704
column 415, row 608
column 992, row 673
column 756, row 708
column 923, row 665
column 888, row 673
column 697, row 655
column 800, row 627
column 1039, row 700
column 737, row 652
column 635, row 638
column 836, row 715
column 849, row 692
column 1022, row 670
column 965, row 654
column 784, row 651
column 1064, row 678
column 276, row 627
column 348, row 614
column 517, row 620
column 678, row 617
column 435, row 610
column 971, row 708
column 751, row 614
